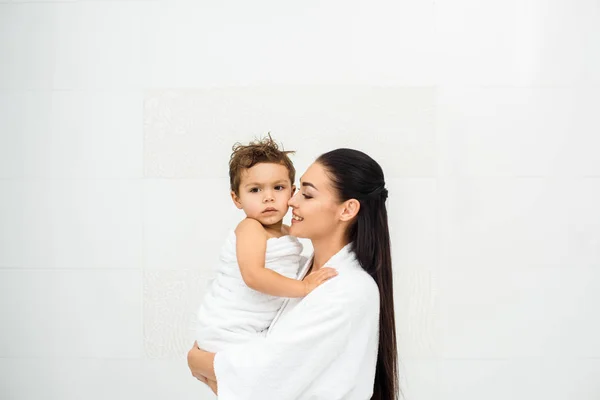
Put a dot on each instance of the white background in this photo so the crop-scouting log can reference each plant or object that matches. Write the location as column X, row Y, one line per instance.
column 116, row 123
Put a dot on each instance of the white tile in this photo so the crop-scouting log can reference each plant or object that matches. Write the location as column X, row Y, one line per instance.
column 395, row 126
column 98, row 45
column 43, row 1
column 52, row 313
column 11, row 133
column 493, row 223
column 519, row 267
column 419, row 378
column 412, row 214
column 83, row 224
column 171, row 300
column 412, row 208
column 518, row 131
column 567, row 37
column 416, row 307
column 495, row 313
column 99, row 379
column 26, row 44
column 186, row 222
column 185, row 129
column 12, row 232
column 195, row 44
column 517, row 42
column 548, row 378
column 25, row 133
column 87, row 135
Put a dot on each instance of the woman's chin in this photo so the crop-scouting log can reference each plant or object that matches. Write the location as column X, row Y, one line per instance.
column 295, row 230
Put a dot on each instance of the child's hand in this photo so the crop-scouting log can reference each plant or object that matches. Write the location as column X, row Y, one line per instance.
column 315, row 279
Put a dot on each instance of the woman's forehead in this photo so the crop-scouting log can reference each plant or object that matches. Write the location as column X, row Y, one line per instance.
column 316, row 175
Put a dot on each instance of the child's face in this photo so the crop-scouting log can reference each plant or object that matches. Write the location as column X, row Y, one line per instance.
column 264, row 193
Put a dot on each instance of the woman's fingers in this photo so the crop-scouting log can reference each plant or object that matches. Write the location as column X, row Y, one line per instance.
column 190, row 356
column 325, row 273
column 213, row 386
column 321, row 275
column 317, row 278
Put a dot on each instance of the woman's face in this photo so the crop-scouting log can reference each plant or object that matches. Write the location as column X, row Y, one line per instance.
column 315, row 205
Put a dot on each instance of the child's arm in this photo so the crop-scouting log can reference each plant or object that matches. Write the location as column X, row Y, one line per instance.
column 251, row 246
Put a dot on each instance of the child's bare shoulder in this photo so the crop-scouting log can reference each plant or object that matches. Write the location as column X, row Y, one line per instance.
column 249, row 226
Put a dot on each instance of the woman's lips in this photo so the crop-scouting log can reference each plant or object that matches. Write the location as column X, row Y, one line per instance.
column 296, row 218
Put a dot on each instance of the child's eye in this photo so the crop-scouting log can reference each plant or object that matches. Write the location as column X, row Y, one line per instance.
column 279, row 187
column 254, row 190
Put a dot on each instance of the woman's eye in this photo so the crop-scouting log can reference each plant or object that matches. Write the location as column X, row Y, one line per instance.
column 306, row 196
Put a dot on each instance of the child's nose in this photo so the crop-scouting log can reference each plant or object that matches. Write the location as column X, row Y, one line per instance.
column 268, row 196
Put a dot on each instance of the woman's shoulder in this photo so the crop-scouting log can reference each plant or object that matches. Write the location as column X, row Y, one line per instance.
column 354, row 286
column 361, row 280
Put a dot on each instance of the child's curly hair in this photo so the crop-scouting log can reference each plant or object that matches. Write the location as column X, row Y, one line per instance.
column 264, row 150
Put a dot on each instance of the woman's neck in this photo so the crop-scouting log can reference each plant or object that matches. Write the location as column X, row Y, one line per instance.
column 326, row 248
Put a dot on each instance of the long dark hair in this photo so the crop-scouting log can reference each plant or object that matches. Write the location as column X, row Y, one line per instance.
column 355, row 175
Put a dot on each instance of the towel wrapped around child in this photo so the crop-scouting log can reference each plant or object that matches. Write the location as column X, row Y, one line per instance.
column 231, row 312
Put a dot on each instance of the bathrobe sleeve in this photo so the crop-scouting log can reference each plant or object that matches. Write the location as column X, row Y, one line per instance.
column 305, row 342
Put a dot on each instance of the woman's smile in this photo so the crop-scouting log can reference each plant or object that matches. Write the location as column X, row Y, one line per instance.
column 296, row 218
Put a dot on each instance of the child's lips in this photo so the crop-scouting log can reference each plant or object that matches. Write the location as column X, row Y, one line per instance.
column 270, row 209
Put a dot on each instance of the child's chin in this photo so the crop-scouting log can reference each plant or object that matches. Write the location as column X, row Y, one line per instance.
column 269, row 221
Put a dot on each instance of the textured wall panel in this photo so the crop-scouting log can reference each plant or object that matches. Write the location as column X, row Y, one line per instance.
column 189, row 133
column 171, row 299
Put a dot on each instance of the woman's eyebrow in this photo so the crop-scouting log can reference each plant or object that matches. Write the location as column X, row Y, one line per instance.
column 309, row 184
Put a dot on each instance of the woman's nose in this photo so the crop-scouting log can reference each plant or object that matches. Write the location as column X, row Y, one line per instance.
column 292, row 201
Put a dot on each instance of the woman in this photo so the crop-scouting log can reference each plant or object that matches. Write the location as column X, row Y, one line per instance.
column 339, row 342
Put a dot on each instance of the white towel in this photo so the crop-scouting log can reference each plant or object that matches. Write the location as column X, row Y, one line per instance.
column 231, row 312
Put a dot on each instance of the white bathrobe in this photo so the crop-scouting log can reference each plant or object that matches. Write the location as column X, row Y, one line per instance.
column 321, row 347
column 233, row 313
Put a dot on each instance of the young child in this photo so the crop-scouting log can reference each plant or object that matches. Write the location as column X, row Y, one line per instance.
column 259, row 260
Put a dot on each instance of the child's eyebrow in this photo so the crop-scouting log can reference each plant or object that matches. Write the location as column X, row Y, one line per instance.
column 261, row 184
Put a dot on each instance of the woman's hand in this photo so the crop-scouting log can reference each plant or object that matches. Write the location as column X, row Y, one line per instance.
column 212, row 385
column 317, row 278
column 201, row 363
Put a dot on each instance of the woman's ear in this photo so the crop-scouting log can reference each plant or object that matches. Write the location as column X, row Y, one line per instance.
column 236, row 200
column 350, row 209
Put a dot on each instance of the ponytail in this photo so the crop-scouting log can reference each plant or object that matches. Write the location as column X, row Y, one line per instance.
column 356, row 175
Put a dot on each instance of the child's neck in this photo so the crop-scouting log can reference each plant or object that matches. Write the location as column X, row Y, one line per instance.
column 275, row 230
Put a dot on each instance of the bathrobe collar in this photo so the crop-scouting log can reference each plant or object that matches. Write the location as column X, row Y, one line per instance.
column 334, row 262
column 343, row 258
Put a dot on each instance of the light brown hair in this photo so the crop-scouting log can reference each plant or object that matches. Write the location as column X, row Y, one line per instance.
column 264, row 150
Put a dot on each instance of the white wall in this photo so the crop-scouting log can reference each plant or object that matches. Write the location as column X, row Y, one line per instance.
column 116, row 121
